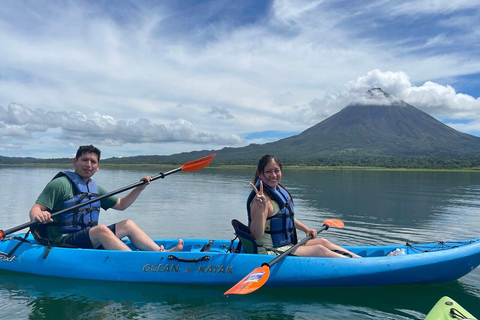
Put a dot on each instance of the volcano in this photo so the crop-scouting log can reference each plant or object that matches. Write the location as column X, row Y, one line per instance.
column 381, row 130
column 381, row 126
column 386, row 126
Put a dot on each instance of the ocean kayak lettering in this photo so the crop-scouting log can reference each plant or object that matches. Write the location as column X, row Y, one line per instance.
column 161, row 267
column 215, row 269
column 6, row 258
column 176, row 268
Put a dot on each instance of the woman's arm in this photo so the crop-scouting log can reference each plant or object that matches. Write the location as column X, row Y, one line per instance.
column 304, row 228
column 259, row 214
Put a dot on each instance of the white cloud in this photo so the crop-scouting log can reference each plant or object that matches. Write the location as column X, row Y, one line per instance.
column 102, row 70
column 431, row 7
column 20, row 122
column 392, row 82
column 291, row 11
column 222, row 113
column 436, row 99
column 431, row 97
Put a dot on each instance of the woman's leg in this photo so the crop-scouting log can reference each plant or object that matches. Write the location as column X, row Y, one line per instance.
column 327, row 244
column 316, row 251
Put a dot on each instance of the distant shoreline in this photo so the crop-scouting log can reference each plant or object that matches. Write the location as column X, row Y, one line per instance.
column 240, row 167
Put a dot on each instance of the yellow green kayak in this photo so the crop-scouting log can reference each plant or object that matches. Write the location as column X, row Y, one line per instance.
column 446, row 308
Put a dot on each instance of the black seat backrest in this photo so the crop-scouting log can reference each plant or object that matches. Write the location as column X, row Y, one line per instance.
column 246, row 239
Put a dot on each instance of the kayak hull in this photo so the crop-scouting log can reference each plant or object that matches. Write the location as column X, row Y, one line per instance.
column 217, row 266
column 446, row 308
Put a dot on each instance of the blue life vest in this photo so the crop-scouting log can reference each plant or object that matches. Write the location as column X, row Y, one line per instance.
column 282, row 223
column 83, row 217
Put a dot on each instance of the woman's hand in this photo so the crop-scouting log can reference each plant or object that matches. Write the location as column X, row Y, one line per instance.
column 259, row 212
column 260, row 199
column 312, row 233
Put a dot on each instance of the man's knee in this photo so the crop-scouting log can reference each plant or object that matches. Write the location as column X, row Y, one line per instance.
column 125, row 227
column 101, row 231
column 126, row 224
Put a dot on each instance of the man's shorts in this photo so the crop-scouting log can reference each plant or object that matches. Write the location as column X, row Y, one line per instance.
column 81, row 239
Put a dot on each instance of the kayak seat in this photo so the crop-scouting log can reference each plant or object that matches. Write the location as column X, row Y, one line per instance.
column 378, row 253
column 246, row 242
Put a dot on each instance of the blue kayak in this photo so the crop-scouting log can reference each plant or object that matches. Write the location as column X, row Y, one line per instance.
column 210, row 262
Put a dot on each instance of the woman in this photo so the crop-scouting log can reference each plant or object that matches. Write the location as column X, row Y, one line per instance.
column 271, row 217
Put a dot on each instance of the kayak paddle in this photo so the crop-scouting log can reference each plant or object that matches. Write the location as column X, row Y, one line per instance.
column 257, row 278
column 187, row 167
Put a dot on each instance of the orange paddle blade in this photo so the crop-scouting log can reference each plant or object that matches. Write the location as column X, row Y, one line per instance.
column 334, row 223
column 2, row 235
column 198, row 164
column 253, row 281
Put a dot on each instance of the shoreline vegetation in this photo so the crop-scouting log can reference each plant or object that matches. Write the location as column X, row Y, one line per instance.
column 238, row 167
column 229, row 160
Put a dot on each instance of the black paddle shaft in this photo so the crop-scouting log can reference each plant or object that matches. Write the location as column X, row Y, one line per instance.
column 134, row 185
column 301, row 242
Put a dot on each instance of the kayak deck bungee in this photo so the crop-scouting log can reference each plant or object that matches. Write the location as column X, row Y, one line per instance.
column 210, row 262
column 446, row 308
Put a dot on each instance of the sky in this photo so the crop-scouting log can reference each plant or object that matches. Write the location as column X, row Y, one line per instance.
column 146, row 77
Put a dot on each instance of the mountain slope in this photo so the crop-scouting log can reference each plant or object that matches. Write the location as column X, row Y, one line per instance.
column 381, row 127
column 398, row 129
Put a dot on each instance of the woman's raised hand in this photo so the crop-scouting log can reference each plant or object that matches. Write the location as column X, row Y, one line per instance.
column 260, row 199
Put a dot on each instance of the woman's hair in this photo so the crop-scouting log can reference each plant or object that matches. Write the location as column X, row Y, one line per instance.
column 88, row 149
column 262, row 163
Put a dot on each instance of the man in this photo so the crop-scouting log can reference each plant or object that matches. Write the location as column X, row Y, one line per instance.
column 79, row 228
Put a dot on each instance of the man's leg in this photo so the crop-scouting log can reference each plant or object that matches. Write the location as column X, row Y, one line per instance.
column 94, row 238
column 102, row 235
column 128, row 228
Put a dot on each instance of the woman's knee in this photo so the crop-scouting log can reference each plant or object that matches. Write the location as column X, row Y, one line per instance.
column 322, row 249
column 316, row 250
column 323, row 242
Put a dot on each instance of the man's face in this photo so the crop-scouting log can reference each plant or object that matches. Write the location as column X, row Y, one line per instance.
column 87, row 165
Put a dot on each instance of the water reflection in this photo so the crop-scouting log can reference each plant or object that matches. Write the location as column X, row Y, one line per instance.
column 52, row 298
column 391, row 206
column 377, row 208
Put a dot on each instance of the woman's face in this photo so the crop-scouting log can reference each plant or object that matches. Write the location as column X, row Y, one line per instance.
column 272, row 174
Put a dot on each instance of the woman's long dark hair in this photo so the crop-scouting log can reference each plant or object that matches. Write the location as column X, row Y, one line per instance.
column 262, row 163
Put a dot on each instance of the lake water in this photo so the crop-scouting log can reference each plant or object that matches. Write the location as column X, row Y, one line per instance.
column 378, row 207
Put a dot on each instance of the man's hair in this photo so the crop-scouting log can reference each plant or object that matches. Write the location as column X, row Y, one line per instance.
column 88, row 149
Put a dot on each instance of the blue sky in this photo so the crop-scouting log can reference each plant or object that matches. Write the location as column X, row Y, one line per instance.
column 162, row 77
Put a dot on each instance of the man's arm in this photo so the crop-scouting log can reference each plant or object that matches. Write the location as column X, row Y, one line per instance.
column 125, row 202
column 39, row 213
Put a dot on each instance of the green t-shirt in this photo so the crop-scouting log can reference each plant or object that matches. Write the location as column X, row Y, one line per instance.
column 59, row 190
